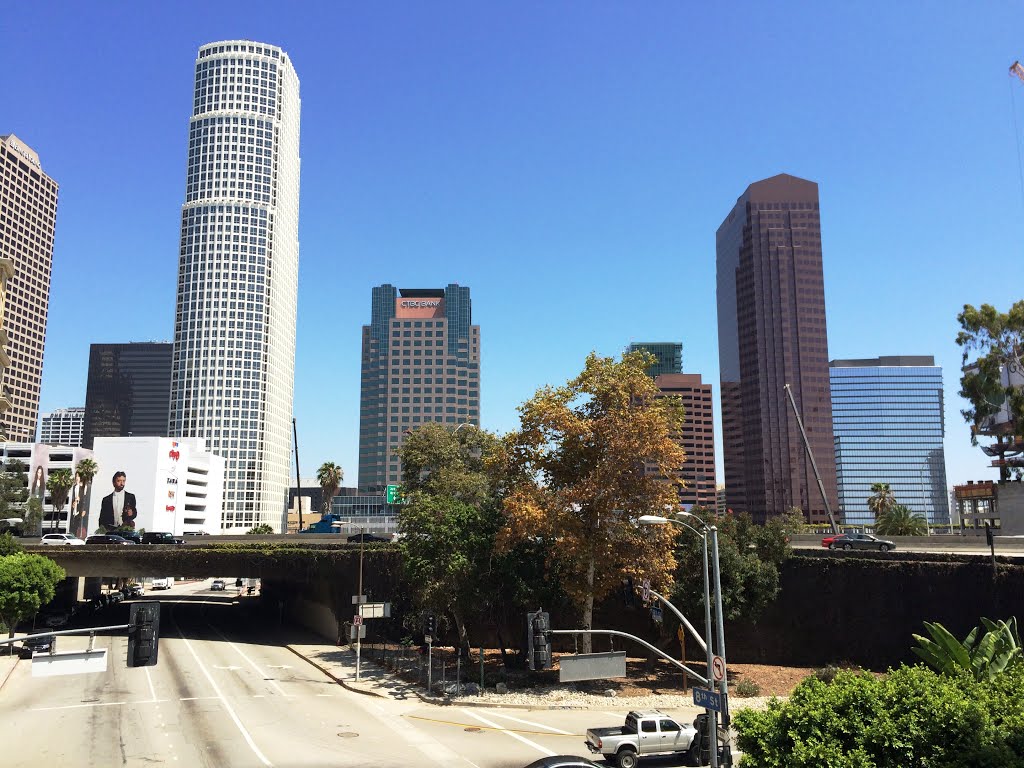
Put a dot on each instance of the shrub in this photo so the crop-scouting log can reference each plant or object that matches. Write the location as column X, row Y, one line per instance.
column 827, row 673
column 911, row 717
column 747, row 688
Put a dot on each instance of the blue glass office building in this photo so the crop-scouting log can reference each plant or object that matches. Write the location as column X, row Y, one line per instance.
column 887, row 417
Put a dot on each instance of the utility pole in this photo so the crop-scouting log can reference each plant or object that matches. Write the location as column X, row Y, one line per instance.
column 359, row 605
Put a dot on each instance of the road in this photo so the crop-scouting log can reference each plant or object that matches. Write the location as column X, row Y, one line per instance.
column 215, row 699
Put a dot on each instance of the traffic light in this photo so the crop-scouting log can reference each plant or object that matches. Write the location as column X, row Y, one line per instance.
column 143, row 634
column 629, row 592
column 430, row 625
column 988, row 534
column 538, row 640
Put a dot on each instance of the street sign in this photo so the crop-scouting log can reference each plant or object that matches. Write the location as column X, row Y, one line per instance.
column 357, row 633
column 357, row 599
column 656, row 614
column 428, row 639
column 718, row 669
column 45, row 664
column 357, row 620
column 702, row 697
column 375, row 610
column 392, row 495
column 646, row 595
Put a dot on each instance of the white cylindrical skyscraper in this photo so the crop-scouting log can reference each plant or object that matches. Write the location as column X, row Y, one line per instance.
column 233, row 373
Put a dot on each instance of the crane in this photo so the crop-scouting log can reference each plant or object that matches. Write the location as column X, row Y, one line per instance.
column 814, row 465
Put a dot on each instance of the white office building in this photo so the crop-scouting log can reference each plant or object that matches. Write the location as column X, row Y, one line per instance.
column 63, row 426
column 177, row 483
column 232, row 376
column 38, row 460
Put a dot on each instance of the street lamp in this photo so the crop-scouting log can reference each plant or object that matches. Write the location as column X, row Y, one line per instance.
column 712, row 532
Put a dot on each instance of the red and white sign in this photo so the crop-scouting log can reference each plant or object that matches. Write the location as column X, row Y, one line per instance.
column 718, row 669
column 357, row 620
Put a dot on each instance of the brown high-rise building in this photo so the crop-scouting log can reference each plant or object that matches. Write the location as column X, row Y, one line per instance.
column 697, row 437
column 28, row 212
column 771, row 332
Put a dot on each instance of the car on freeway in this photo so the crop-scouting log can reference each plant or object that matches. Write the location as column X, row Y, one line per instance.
column 850, row 541
column 62, row 539
column 218, row 585
column 158, row 537
column 355, row 538
column 132, row 590
column 107, row 538
column 35, row 644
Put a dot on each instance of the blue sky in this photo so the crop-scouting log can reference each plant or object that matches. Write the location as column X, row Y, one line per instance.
column 569, row 161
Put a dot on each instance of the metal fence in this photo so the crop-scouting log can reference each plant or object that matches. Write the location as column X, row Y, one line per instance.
column 448, row 673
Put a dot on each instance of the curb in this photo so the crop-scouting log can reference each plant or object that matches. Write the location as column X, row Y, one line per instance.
column 334, row 677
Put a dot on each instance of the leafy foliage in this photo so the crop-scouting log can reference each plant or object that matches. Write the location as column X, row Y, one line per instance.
column 9, row 545
column 900, row 520
column 441, row 462
column 984, row 658
column 910, row 717
column 33, row 515
column 59, row 482
column 260, row 530
column 881, row 500
column 329, row 476
column 577, row 481
column 27, row 582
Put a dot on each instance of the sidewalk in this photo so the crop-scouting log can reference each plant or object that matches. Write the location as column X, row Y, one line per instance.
column 339, row 663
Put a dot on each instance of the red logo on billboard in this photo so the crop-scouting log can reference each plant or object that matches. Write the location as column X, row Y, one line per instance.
column 169, row 507
column 174, row 455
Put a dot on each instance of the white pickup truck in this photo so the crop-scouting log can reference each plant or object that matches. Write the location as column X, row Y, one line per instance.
column 644, row 733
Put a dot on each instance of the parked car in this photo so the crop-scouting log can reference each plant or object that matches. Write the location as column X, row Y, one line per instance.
column 644, row 733
column 355, row 538
column 132, row 590
column 158, row 537
column 217, row 586
column 162, row 582
column 850, row 541
column 62, row 539
column 562, row 761
column 34, row 645
column 107, row 538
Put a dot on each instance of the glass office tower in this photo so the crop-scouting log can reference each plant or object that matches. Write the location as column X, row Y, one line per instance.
column 887, row 415
column 669, row 354
column 128, row 390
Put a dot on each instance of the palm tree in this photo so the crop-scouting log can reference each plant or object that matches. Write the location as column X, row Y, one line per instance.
column 86, row 470
column 58, row 484
column 881, row 499
column 901, row 521
column 329, row 476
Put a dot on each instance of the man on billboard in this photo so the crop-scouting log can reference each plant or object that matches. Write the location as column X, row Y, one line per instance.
column 118, row 508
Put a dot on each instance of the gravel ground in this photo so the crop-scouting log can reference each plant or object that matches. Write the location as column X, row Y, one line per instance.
column 569, row 698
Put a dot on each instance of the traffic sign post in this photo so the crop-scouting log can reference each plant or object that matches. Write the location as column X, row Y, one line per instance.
column 646, row 594
column 702, row 697
column 357, row 620
column 718, row 669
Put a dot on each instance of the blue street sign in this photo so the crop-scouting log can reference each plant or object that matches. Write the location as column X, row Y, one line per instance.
column 702, row 697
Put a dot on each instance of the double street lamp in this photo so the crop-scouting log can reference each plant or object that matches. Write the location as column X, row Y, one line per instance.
column 706, row 532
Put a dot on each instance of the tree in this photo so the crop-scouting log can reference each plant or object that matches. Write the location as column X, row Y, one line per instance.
column 329, row 476
column 27, row 582
column 589, row 459
column 993, row 383
column 13, row 491
column 34, row 516
column 881, row 499
column 261, row 530
column 9, row 545
column 449, row 520
column 58, row 483
column 901, row 521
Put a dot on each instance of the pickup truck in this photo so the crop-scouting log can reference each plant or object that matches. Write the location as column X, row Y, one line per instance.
column 644, row 733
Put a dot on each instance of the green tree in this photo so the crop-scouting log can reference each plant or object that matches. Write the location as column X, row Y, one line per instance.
column 261, row 530
column 34, row 516
column 329, row 476
column 749, row 559
column 9, row 545
column 449, row 520
column 27, row 582
column 13, row 490
column 588, row 460
column 992, row 382
column 59, row 483
column 881, row 500
column 901, row 521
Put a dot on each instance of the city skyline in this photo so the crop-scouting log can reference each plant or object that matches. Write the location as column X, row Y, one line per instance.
column 536, row 178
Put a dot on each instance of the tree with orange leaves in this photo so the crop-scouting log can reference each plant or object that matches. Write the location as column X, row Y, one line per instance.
column 575, row 474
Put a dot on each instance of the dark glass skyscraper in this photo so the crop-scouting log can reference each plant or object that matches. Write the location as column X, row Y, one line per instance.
column 421, row 363
column 669, row 354
column 128, row 391
column 888, row 423
column 771, row 332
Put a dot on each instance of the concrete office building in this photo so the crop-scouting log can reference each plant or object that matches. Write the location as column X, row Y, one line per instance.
column 888, row 424
column 420, row 364
column 39, row 460
column 771, row 332
column 697, row 437
column 178, row 484
column 233, row 366
column 62, row 427
column 28, row 214
column 128, row 390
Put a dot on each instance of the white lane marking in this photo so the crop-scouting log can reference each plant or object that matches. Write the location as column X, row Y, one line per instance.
column 223, row 700
column 485, row 721
column 612, row 714
column 278, row 666
column 152, row 690
column 529, row 722
column 229, row 669
column 413, row 736
column 197, row 698
column 471, row 762
column 252, row 664
column 96, row 704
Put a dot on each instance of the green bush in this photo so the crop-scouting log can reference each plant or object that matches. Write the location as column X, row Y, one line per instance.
column 910, row 717
column 747, row 688
column 827, row 673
